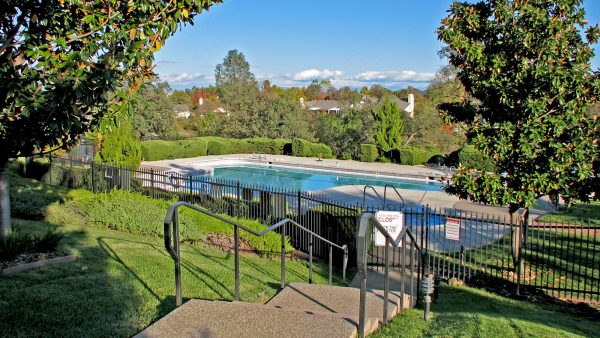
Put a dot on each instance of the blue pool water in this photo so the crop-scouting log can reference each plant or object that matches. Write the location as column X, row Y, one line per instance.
column 309, row 180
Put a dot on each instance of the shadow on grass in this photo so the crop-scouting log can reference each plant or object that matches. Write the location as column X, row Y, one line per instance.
column 90, row 297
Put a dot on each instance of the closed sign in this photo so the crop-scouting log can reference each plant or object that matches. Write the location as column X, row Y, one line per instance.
column 392, row 221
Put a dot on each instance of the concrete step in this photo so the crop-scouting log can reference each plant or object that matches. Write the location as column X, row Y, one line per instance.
column 375, row 281
column 217, row 319
column 343, row 301
column 371, row 324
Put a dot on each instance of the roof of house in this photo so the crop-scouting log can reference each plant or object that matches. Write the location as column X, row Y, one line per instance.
column 322, row 105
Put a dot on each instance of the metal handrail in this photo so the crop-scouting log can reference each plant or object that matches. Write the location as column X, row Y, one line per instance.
column 397, row 193
column 365, row 195
column 172, row 245
column 365, row 220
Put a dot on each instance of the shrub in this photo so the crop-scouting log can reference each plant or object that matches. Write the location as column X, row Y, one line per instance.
column 48, row 242
column 14, row 245
column 413, row 155
column 219, row 146
column 304, row 148
column 29, row 198
column 471, row 158
column 368, row 153
column 436, row 159
column 120, row 147
column 268, row 146
column 163, row 150
column 120, row 210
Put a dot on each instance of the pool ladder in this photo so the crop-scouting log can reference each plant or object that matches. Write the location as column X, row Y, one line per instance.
column 384, row 199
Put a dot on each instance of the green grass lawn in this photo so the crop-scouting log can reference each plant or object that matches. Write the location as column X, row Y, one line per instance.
column 578, row 213
column 123, row 282
column 469, row 312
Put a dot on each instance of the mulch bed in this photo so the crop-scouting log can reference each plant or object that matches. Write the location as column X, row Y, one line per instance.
column 226, row 243
column 30, row 258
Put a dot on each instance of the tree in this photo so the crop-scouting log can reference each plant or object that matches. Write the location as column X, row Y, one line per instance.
column 389, row 126
column 60, row 60
column 528, row 68
column 344, row 134
column 120, row 147
column 234, row 69
column 153, row 110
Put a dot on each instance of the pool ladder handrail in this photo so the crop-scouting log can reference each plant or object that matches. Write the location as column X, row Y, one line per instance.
column 172, row 245
column 384, row 199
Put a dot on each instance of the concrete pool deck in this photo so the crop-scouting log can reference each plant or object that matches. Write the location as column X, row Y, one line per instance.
column 353, row 194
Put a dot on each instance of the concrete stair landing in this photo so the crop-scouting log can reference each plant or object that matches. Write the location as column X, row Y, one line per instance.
column 299, row 310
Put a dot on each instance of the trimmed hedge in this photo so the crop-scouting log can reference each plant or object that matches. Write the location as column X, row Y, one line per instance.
column 268, row 146
column 212, row 145
column 368, row 153
column 471, row 158
column 164, row 150
column 304, row 148
column 414, row 155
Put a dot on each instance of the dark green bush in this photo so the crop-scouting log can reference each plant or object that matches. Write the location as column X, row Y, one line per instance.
column 29, row 199
column 163, row 150
column 120, row 210
column 471, row 158
column 20, row 242
column 304, row 148
column 268, row 146
column 48, row 242
column 368, row 153
column 413, row 155
column 437, row 160
column 219, row 146
column 14, row 245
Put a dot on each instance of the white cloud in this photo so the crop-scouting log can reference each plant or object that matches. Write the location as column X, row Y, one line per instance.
column 388, row 78
column 393, row 76
column 183, row 78
column 311, row 74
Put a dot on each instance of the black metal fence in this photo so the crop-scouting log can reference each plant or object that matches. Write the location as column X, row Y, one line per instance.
column 559, row 259
column 562, row 260
column 332, row 220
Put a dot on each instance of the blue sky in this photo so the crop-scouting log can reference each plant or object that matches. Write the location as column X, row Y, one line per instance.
column 351, row 42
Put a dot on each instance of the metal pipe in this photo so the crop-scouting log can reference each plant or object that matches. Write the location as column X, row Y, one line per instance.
column 178, row 300
column 386, row 280
column 345, row 262
column 412, row 287
column 310, row 260
column 236, row 244
column 330, row 265
column 363, row 307
column 283, row 256
column 402, row 272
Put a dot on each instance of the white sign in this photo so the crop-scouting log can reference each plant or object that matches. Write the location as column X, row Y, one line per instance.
column 392, row 221
column 453, row 228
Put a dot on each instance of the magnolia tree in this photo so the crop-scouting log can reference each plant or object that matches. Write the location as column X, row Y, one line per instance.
column 526, row 66
column 60, row 60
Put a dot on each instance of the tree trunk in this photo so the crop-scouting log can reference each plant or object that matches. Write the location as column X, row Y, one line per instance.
column 4, row 200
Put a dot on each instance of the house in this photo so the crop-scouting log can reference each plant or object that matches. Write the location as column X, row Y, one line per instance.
column 182, row 111
column 407, row 105
column 321, row 106
column 334, row 106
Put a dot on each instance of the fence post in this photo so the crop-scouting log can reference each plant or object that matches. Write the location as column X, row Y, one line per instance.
column 152, row 178
column 299, row 204
column 238, row 199
column 93, row 181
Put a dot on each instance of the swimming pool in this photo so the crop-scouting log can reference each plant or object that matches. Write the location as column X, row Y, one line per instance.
column 310, row 180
